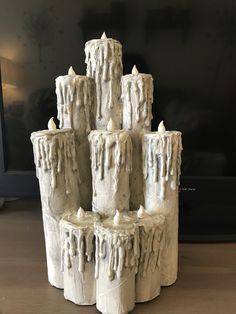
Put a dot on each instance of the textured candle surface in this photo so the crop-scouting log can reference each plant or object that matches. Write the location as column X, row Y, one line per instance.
column 111, row 156
column 76, row 104
column 56, row 169
column 117, row 252
column 78, row 256
column 161, row 166
column 104, row 64
column 137, row 98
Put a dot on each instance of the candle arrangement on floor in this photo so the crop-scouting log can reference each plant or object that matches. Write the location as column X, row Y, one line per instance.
column 109, row 186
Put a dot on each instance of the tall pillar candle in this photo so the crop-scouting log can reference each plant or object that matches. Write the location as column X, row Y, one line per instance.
column 152, row 241
column 76, row 104
column 137, row 99
column 56, row 169
column 117, row 252
column 111, row 156
column 104, row 64
column 162, row 160
column 78, row 256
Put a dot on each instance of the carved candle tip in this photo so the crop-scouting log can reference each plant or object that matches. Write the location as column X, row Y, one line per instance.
column 117, row 218
column 161, row 127
column 51, row 125
column 80, row 213
column 71, row 71
column 104, row 36
column 111, row 125
column 135, row 70
column 141, row 212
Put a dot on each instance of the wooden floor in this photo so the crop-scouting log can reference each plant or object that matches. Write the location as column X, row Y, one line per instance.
column 206, row 284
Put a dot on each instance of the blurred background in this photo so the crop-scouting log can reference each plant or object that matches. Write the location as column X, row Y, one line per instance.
column 188, row 47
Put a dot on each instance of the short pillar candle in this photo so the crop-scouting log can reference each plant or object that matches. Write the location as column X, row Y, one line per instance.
column 117, row 251
column 152, row 240
column 78, row 256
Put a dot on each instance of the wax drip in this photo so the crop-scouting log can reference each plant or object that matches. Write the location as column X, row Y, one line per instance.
column 74, row 93
column 78, row 243
column 151, row 237
column 121, row 254
column 110, row 152
column 162, row 158
column 137, row 98
column 104, row 64
column 54, row 153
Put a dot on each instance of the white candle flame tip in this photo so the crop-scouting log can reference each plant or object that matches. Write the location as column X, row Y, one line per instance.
column 80, row 213
column 161, row 127
column 135, row 70
column 111, row 125
column 51, row 124
column 117, row 218
column 141, row 212
column 71, row 71
column 104, row 36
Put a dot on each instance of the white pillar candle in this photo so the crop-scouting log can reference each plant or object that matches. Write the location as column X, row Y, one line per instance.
column 56, row 169
column 151, row 241
column 104, row 64
column 111, row 156
column 162, row 160
column 78, row 256
column 137, row 99
column 117, row 252
column 76, row 104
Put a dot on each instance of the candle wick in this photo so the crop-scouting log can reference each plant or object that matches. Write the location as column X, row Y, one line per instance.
column 111, row 125
column 135, row 70
column 161, row 127
column 51, row 125
column 104, row 36
column 71, row 71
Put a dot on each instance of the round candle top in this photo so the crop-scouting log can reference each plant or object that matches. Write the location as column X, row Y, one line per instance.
column 120, row 222
column 122, row 133
column 50, row 132
column 103, row 39
column 72, row 77
column 149, row 219
column 81, row 218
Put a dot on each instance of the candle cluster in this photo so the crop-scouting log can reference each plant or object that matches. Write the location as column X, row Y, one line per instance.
column 121, row 245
